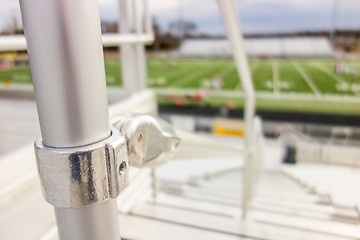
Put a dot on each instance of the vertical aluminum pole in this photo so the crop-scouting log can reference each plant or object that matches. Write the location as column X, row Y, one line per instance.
column 128, row 50
column 67, row 67
column 140, row 48
column 233, row 31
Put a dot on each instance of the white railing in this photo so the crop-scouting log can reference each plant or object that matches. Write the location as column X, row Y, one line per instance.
column 234, row 35
column 134, row 76
column 18, row 42
column 329, row 151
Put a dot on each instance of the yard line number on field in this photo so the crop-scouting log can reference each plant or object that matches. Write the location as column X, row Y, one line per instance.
column 353, row 87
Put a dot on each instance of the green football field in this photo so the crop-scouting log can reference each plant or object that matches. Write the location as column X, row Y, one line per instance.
column 295, row 85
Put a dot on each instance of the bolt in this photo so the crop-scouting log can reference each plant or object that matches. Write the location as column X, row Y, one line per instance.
column 122, row 168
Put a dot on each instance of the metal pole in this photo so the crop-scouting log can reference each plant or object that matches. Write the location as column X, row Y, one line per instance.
column 233, row 31
column 128, row 51
column 67, row 67
column 140, row 48
column 148, row 19
column 18, row 43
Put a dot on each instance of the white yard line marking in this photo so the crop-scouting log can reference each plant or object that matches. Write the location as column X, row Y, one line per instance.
column 239, row 85
column 223, row 72
column 174, row 74
column 171, row 74
column 307, row 79
column 338, row 79
column 189, row 78
column 275, row 69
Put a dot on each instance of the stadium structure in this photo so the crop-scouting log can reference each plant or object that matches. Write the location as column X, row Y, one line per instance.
column 106, row 167
column 285, row 47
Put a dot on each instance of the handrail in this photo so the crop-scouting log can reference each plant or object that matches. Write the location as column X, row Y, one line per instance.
column 18, row 42
column 233, row 32
column 71, row 100
column 296, row 134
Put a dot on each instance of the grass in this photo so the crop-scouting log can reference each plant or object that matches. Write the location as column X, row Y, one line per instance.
column 281, row 77
column 263, row 76
column 113, row 73
column 290, row 79
column 321, row 77
column 16, row 75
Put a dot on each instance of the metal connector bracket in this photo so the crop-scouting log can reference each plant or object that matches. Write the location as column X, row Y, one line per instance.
column 82, row 176
column 150, row 141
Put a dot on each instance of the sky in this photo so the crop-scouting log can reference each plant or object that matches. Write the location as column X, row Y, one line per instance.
column 256, row 16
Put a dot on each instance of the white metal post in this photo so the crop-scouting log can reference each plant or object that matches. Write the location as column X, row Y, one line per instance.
column 128, row 51
column 67, row 67
column 18, row 43
column 140, row 48
column 133, row 59
column 233, row 31
column 148, row 20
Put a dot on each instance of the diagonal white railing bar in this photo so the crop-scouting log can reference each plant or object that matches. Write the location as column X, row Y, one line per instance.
column 234, row 35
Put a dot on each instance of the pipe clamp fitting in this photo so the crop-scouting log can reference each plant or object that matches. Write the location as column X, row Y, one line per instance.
column 82, row 176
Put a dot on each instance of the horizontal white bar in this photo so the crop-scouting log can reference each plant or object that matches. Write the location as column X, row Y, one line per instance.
column 12, row 43
column 111, row 40
column 18, row 42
